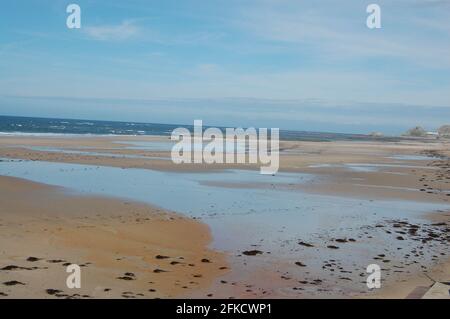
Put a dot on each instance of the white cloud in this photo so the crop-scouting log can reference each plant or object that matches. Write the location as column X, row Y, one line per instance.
column 341, row 33
column 124, row 31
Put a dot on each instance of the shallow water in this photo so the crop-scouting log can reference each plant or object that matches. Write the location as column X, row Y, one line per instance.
column 262, row 212
column 411, row 157
column 369, row 167
column 226, row 146
column 90, row 153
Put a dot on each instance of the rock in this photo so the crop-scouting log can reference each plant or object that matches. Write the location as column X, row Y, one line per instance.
column 252, row 252
column 55, row 261
column 300, row 264
column 157, row 271
column 53, row 291
column 125, row 278
column 14, row 267
column 305, row 244
column 13, row 283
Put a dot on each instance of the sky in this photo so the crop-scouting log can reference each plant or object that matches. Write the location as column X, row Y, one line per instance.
column 291, row 64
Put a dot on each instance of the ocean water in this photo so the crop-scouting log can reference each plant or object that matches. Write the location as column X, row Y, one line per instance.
column 46, row 126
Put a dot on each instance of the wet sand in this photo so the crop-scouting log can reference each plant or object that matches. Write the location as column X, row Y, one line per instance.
column 347, row 169
column 125, row 249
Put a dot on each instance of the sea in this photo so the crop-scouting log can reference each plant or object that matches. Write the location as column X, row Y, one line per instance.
column 18, row 125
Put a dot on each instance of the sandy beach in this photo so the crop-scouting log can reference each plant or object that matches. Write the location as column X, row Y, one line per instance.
column 112, row 236
column 126, row 250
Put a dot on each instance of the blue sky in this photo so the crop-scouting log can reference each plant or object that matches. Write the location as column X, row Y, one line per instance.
column 306, row 65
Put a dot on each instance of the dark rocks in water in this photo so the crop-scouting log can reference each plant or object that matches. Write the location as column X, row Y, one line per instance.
column 400, row 238
column 305, row 244
column 332, row 247
column 161, row 257
column 52, row 291
column 33, row 259
column 13, row 283
column 341, row 240
column 252, row 252
column 352, row 239
column 300, row 264
column 205, row 260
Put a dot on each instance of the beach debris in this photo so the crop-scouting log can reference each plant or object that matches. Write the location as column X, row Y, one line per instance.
column 13, row 283
column 157, row 271
column 52, row 291
column 127, row 276
column 14, row 267
column 252, row 252
column 55, row 261
column 305, row 244
column 300, row 264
